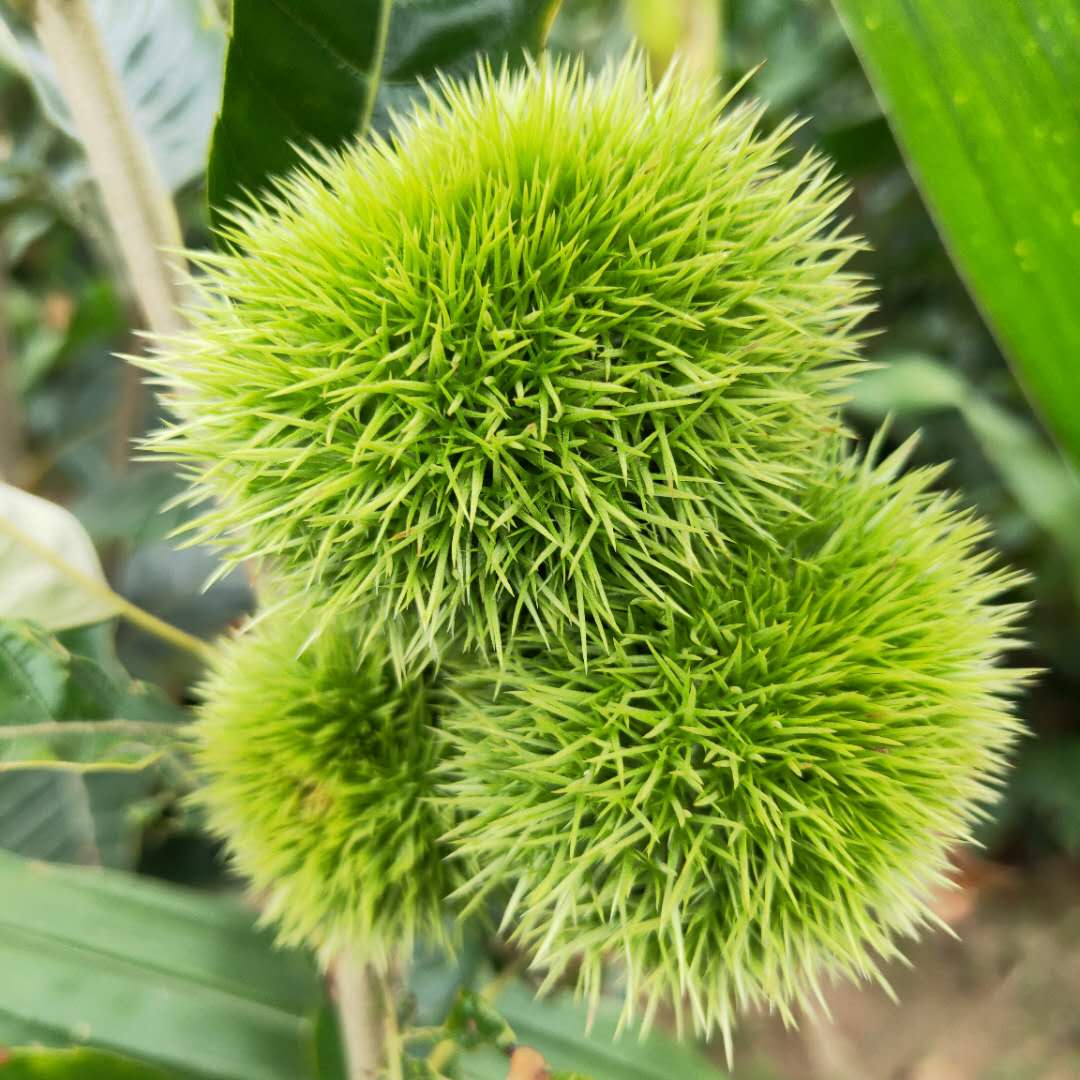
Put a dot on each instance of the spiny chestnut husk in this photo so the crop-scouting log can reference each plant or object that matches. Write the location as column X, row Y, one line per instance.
column 557, row 339
column 736, row 802
column 319, row 775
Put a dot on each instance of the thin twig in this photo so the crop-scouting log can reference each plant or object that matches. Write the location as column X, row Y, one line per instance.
column 162, row 629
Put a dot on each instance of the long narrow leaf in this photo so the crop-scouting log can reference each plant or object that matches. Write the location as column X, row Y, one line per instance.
column 149, row 971
column 982, row 97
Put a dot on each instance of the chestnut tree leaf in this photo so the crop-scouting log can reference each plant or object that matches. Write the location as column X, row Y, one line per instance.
column 83, row 746
column 160, row 974
column 304, row 73
column 982, row 98
column 49, row 571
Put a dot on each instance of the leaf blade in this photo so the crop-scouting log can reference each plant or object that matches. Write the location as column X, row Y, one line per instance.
column 297, row 72
column 1034, row 473
column 981, row 101
column 34, row 1063
column 556, row 1027
column 167, row 56
column 49, row 570
column 426, row 37
column 150, row 971
column 61, row 708
column 373, row 54
column 77, row 737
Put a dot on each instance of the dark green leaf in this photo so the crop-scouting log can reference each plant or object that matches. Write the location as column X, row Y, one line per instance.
column 62, row 710
column 297, row 72
column 79, row 712
column 1045, row 785
column 982, row 97
column 431, row 36
column 300, row 72
column 150, row 971
column 66, row 817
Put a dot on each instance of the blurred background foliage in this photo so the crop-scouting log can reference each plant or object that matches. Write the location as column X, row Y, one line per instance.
column 69, row 409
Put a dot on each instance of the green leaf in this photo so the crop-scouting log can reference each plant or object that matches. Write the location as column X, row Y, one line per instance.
column 906, row 384
column 431, row 36
column 555, row 1026
column 1043, row 786
column 84, row 745
column 59, row 709
column 303, row 72
column 472, row 1021
column 150, row 971
column 297, row 72
column 66, row 817
column 37, row 1064
column 67, row 704
column 49, row 570
column 982, row 97
column 168, row 56
column 1041, row 482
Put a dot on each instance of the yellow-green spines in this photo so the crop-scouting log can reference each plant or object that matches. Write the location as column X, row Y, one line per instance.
column 561, row 337
column 319, row 775
column 735, row 803
column 554, row 378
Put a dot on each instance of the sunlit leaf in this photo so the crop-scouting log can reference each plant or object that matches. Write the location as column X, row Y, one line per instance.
column 49, row 570
column 982, row 97
column 35, row 1063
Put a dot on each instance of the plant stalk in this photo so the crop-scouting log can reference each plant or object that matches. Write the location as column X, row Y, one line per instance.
column 368, row 1019
column 136, row 200
column 181, row 639
column 689, row 29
